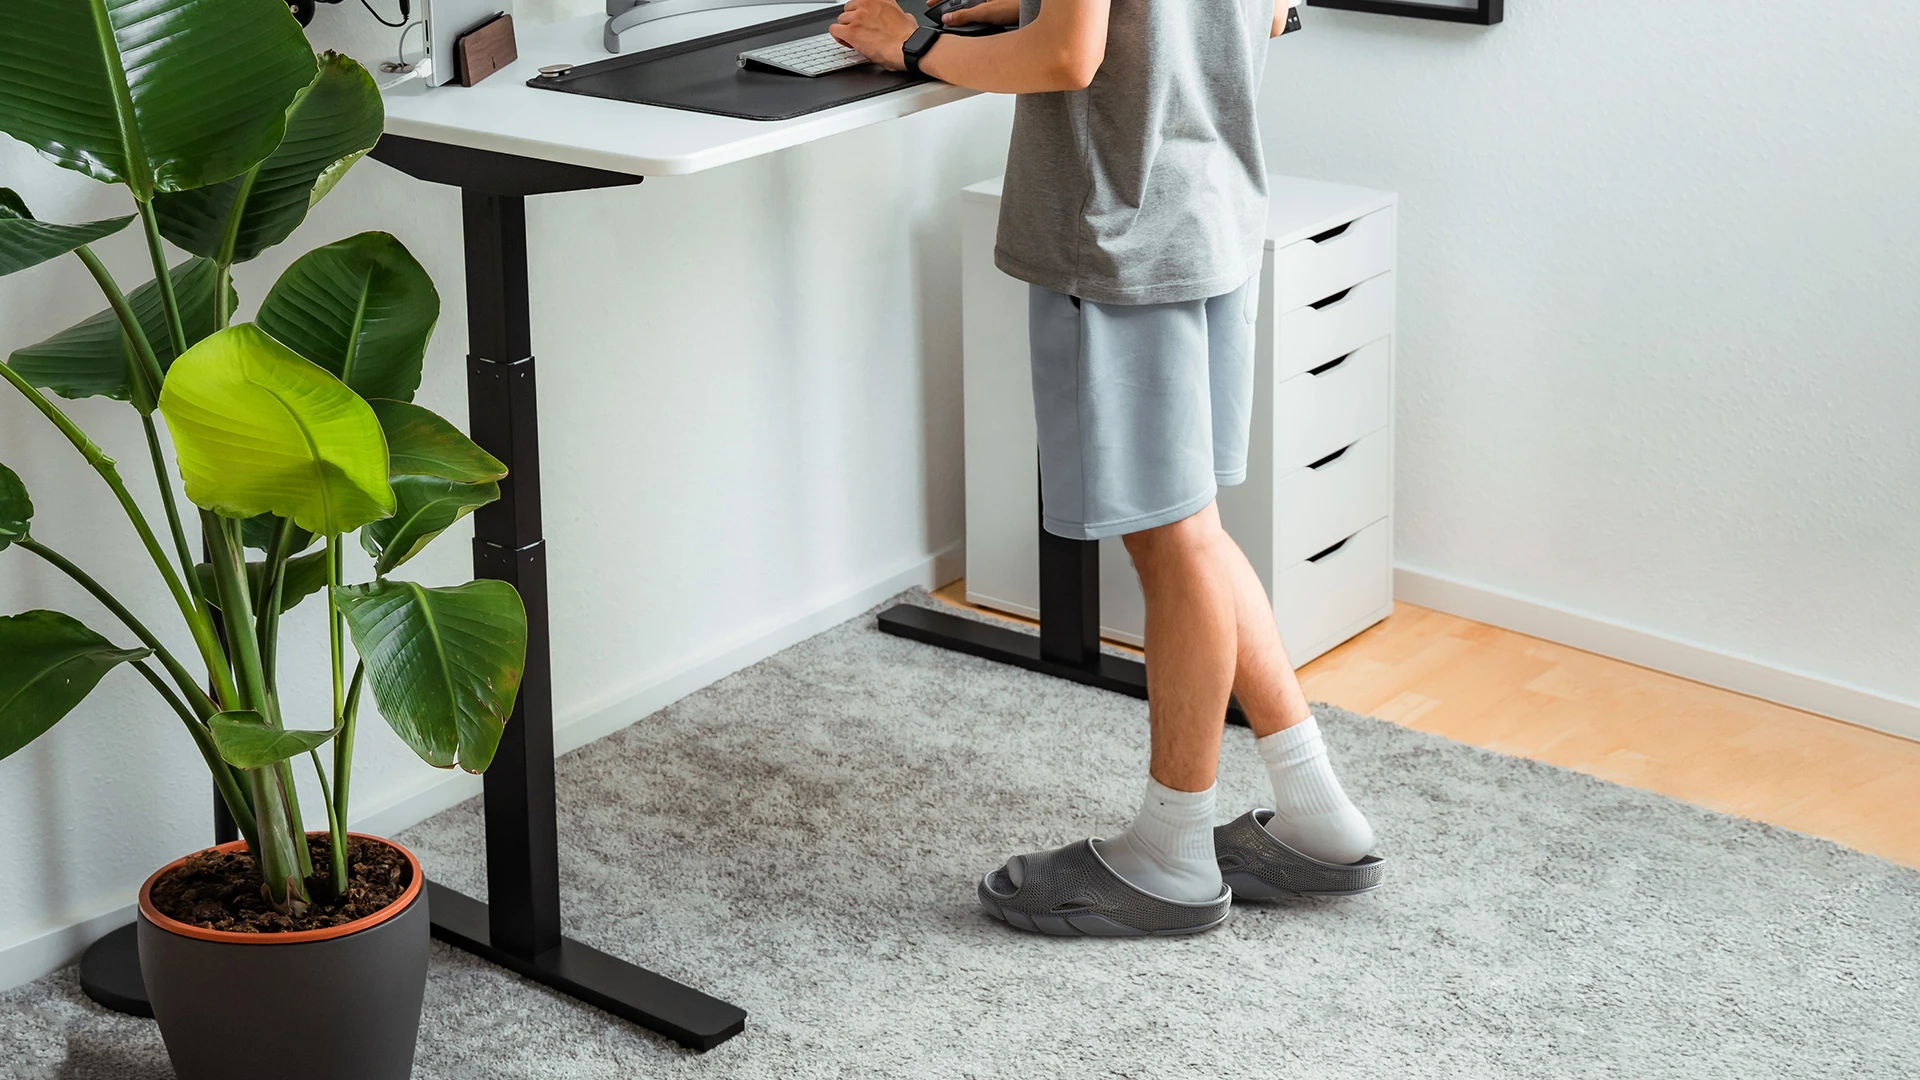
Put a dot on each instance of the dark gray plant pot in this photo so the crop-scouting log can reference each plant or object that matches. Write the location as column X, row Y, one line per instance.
column 340, row 1008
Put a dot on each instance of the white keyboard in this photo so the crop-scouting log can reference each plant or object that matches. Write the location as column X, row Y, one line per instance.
column 809, row 56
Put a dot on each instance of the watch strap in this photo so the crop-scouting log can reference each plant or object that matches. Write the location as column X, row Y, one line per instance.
column 916, row 47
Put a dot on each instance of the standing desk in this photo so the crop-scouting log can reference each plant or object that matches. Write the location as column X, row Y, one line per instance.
column 500, row 142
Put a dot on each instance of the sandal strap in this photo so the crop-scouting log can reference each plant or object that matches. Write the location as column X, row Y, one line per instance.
column 1244, row 846
column 1074, row 881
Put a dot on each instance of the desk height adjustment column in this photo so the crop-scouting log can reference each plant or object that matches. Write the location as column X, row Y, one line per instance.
column 523, row 857
column 519, row 928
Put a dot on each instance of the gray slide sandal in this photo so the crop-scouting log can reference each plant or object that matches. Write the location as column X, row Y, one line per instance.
column 1257, row 866
column 1072, row 892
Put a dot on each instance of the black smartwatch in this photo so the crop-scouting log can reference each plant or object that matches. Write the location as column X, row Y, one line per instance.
column 916, row 47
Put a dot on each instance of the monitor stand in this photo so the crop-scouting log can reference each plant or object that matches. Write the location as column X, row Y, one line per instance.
column 626, row 14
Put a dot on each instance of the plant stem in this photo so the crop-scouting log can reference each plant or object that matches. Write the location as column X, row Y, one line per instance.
column 336, row 832
column 236, row 612
column 223, row 259
column 274, row 853
column 336, row 661
column 197, row 620
column 163, row 280
column 343, row 762
column 149, row 364
column 272, row 585
column 224, row 779
column 203, row 705
column 164, row 482
column 236, row 608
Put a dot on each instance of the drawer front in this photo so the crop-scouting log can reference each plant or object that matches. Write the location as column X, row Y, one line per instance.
column 1333, row 326
column 1315, row 507
column 1311, row 270
column 1314, row 601
column 1314, row 415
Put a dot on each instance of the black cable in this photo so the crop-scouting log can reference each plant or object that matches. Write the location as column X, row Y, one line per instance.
column 383, row 22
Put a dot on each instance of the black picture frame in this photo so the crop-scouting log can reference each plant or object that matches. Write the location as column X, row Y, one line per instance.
column 1483, row 13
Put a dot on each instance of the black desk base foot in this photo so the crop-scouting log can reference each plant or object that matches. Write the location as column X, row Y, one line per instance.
column 681, row 1013
column 1120, row 674
column 110, row 973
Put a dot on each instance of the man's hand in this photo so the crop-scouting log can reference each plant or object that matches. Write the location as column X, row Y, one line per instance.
column 991, row 13
column 878, row 28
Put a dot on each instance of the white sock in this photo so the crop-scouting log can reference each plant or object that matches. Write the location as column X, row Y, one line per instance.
column 1312, row 814
column 1168, row 850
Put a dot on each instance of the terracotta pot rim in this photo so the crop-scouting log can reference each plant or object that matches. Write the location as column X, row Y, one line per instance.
column 289, row 937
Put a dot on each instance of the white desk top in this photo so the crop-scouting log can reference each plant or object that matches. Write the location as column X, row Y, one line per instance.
column 505, row 115
column 1296, row 207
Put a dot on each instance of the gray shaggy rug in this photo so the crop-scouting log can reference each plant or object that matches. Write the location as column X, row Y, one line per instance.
column 803, row 839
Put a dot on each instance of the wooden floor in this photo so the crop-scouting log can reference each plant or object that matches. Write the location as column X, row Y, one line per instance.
column 1532, row 698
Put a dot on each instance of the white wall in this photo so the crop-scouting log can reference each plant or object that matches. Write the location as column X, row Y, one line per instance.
column 1659, row 303
column 750, row 393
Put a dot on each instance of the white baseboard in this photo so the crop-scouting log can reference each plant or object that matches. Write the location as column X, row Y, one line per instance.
column 1689, row 660
column 62, row 944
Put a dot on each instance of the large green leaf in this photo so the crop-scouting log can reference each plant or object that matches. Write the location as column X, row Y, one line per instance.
column 331, row 124
column 304, row 576
column 158, row 94
column 427, row 505
column 25, row 242
column 258, row 430
column 92, row 357
column 16, row 508
column 362, row 308
column 246, row 741
column 52, row 662
column 444, row 664
column 421, row 443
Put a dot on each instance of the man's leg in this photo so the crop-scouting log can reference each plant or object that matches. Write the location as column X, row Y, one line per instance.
column 1168, row 850
column 1312, row 813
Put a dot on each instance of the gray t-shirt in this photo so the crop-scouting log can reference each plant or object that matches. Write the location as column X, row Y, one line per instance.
column 1149, row 186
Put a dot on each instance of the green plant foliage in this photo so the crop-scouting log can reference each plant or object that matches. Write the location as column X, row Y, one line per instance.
column 16, row 508
column 304, row 576
column 427, row 505
column 246, row 741
column 444, row 664
column 362, row 308
column 257, row 532
column 421, row 443
column 331, row 124
column 157, row 94
column 257, row 430
column 52, row 663
column 91, row 358
column 25, row 242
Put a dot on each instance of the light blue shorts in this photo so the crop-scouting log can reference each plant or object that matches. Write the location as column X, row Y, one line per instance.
column 1142, row 409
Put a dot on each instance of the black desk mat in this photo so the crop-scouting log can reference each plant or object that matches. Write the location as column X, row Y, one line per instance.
column 703, row 75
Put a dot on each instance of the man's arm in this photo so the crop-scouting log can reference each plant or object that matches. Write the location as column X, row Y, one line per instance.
column 1060, row 50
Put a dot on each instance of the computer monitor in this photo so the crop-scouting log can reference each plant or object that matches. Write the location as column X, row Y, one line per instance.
column 626, row 14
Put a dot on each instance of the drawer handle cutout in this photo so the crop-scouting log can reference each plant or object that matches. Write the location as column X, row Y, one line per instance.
column 1329, row 366
column 1322, row 238
column 1331, row 458
column 1331, row 300
column 1329, row 551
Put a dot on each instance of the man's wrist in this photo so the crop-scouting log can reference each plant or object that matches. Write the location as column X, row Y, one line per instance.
column 916, row 47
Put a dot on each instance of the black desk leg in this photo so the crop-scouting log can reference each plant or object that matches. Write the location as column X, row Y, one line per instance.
column 520, row 928
column 1068, row 645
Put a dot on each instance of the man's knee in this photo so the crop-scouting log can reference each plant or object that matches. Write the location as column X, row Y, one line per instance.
column 1180, row 539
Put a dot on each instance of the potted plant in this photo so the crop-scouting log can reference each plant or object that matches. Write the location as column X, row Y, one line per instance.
column 290, row 953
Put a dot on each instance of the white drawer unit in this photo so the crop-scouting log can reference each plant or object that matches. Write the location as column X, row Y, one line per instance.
column 1315, row 515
